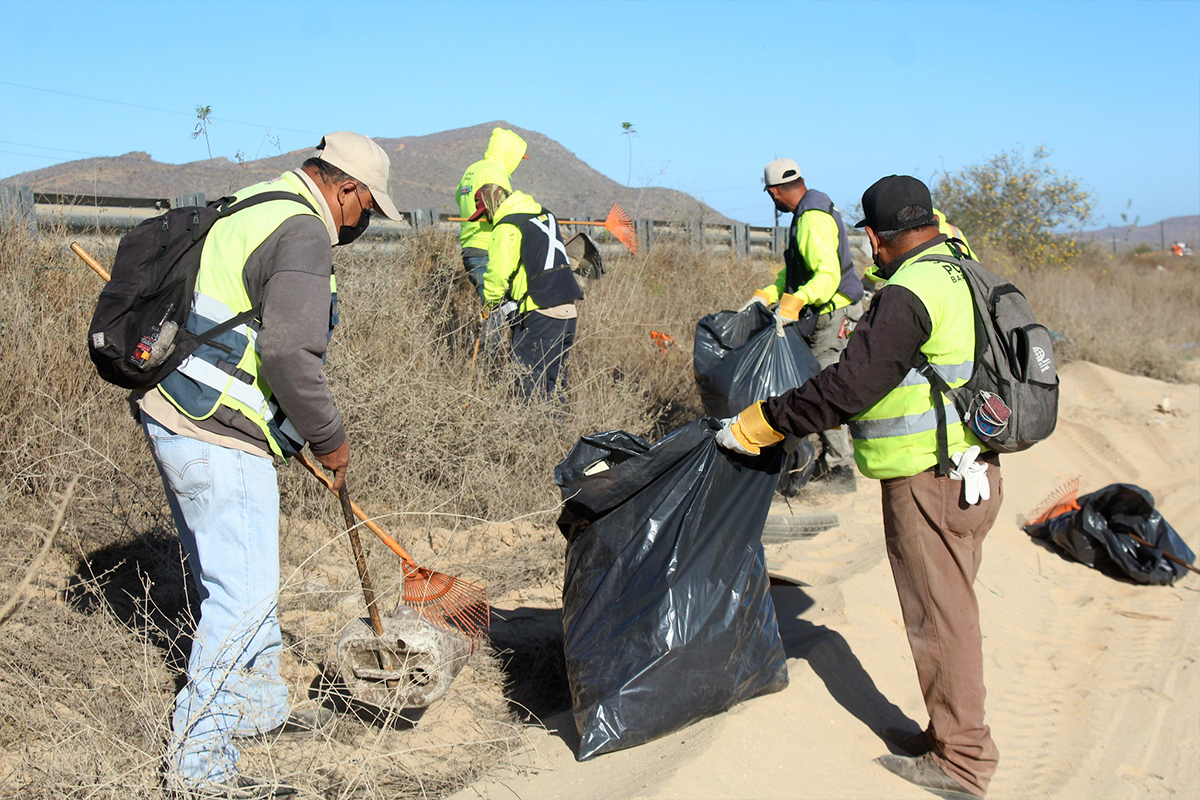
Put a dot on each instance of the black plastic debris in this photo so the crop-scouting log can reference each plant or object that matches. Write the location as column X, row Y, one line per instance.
column 667, row 616
column 1101, row 535
column 739, row 358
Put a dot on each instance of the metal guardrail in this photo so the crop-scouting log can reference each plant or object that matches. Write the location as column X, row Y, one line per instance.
column 80, row 213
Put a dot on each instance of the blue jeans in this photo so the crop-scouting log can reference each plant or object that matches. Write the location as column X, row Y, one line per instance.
column 475, row 262
column 225, row 504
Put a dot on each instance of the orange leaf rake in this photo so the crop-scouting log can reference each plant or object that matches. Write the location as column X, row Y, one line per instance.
column 444, row 600
column 617, row 223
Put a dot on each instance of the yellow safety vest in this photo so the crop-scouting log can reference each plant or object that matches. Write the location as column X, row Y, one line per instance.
column 897, row 437
column 227, row 371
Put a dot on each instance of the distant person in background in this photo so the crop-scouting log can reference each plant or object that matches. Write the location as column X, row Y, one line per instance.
column 952, row 232
column 819, row 272
column 528, row 266
column 504, row 153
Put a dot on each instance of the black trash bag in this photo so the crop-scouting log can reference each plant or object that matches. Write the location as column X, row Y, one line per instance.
column 1098, row 535
column 667, row 615
column 739, row 359
column 798, row 465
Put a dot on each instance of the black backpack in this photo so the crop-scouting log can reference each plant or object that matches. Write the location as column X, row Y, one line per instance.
column 548, row 276
column 1011, row 399
column 138, row 335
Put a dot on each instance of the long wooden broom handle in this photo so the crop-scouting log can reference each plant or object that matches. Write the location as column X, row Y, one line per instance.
column 91, row 262
column 560, row 222
column 362, row 515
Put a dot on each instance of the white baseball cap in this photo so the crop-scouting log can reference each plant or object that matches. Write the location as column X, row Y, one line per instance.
column 359, row 157
column 781, row 170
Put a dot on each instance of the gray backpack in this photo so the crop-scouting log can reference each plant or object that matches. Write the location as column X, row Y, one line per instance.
column 1011, row 399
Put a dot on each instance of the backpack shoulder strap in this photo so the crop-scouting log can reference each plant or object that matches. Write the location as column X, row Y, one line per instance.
column 518, row 219
column 226, row 209
column 938, row 389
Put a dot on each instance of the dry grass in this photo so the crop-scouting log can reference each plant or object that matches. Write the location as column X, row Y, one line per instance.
column 1135, row 314
column 458, row 469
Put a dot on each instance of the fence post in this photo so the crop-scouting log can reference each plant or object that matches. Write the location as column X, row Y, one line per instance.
column 16, row 206
column 740, row 238
column 644, row 229
column 779, row 240
column 423, row 218
column 192, row 199
column 696, row 234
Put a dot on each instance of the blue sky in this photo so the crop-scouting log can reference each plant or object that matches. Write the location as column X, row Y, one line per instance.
column 851, row 90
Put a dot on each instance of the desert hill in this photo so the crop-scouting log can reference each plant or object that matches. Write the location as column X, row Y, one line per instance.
column 1157, row 235
column 425, row 170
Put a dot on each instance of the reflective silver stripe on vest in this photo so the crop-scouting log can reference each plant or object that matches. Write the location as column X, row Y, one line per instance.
column 289, row 430
column 901, row 426
column 949, row 372
column 212, row 309
column 212, row 376
column 217, row 379
column 554, row 243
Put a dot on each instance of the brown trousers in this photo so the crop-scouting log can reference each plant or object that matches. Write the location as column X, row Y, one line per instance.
column 935, row 545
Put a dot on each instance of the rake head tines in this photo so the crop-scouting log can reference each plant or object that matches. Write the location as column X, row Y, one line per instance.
column 449, row 602
column 1060, row 501
column 620, row 225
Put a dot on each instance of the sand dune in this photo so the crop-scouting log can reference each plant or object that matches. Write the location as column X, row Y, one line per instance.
column 1094, row 684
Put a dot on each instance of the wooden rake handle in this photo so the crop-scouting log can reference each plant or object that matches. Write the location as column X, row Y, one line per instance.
column 1170, row 557
column 560, row 222
column 91, row 262
column 360, row 563
column 409, row 563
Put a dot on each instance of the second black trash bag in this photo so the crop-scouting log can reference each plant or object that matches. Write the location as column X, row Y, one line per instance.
column 739, row 359
column 1096, row 533
column 667, row 615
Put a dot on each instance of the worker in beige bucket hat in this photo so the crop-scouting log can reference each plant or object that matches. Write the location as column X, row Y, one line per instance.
column 232, row 410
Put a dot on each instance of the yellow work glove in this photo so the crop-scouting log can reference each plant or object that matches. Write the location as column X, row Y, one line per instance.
column 748, row 432
column 790, row 307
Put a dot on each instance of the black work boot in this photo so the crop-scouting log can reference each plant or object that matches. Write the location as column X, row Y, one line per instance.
column 840, row 480
column 924, row 772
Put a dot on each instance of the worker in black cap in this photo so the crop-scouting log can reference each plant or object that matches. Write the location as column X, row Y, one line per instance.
column 933, row 524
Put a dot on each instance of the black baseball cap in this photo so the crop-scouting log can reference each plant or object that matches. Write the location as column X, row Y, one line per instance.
column 887, row 197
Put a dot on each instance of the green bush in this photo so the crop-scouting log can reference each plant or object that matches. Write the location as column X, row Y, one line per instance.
column 1017, row 203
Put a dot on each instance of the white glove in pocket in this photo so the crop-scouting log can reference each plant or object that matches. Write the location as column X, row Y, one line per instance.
column 973, row 474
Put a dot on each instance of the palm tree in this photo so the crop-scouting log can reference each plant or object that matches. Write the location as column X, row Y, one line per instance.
column 627, row 130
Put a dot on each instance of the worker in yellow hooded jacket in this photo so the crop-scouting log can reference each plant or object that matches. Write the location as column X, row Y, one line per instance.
column 504, row 153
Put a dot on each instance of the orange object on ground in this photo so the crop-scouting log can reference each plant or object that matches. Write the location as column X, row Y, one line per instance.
column 664, row 342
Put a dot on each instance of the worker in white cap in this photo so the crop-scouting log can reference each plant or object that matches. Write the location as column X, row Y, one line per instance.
column 818, row 274
column 216, row 424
